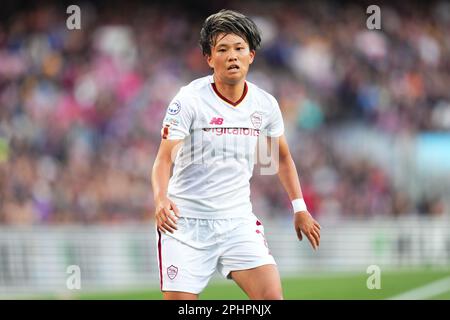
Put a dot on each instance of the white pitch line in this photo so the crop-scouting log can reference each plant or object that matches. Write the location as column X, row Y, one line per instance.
column 427, row 291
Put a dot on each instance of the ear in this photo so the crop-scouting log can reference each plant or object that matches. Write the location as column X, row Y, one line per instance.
column 209, row 60
column 252, row 55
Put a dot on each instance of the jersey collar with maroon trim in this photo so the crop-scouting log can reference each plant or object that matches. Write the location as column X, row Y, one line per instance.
column 234, row 104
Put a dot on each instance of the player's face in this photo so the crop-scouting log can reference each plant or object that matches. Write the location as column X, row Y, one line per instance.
column 230, row 58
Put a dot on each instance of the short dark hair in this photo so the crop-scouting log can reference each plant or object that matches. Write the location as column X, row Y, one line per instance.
column 228, row 21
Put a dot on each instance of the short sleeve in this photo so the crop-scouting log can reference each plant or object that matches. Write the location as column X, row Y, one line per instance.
column 275, row 125
column 178, row 119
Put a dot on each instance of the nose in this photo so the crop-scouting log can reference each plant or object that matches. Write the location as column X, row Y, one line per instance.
column 232, row 56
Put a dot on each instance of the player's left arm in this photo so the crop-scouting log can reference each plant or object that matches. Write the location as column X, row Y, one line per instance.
column 287, row 173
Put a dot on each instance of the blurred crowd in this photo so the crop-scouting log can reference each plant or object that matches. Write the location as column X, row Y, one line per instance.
column 81, row 110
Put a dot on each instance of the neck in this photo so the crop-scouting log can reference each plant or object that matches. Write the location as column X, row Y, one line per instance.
column 232, row 92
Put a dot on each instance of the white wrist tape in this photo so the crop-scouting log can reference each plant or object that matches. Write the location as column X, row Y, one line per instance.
column 299, row 205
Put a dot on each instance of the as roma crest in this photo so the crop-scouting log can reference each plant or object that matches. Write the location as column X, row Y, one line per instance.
column 172, row 272
column 256, row 119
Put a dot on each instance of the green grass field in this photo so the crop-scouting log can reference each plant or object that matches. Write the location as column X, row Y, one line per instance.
column 347, row 286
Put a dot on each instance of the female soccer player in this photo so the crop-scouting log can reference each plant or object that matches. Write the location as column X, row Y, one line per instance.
column 203, row 212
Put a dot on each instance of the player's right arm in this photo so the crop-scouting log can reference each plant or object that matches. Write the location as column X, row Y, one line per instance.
column 165, row 221
column 176, row 126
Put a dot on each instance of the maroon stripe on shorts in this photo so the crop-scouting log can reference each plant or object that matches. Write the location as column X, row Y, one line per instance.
column 160, row 261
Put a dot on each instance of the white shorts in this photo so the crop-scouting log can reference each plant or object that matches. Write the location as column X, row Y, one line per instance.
column 188, row 258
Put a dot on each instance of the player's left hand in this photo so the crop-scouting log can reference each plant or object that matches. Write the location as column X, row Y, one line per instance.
column 305, row 223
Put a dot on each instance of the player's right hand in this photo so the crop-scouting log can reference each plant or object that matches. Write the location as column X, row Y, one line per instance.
column 166, row 215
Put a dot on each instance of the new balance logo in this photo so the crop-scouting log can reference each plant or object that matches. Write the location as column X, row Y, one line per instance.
column 217, row 121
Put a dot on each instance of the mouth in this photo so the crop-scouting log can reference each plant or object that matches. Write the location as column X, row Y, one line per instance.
column 233, row 67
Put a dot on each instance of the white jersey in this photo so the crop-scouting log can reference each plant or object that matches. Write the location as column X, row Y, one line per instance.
column 212, row 170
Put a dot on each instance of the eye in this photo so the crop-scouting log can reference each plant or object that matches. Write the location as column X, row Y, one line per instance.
column 221, row 50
